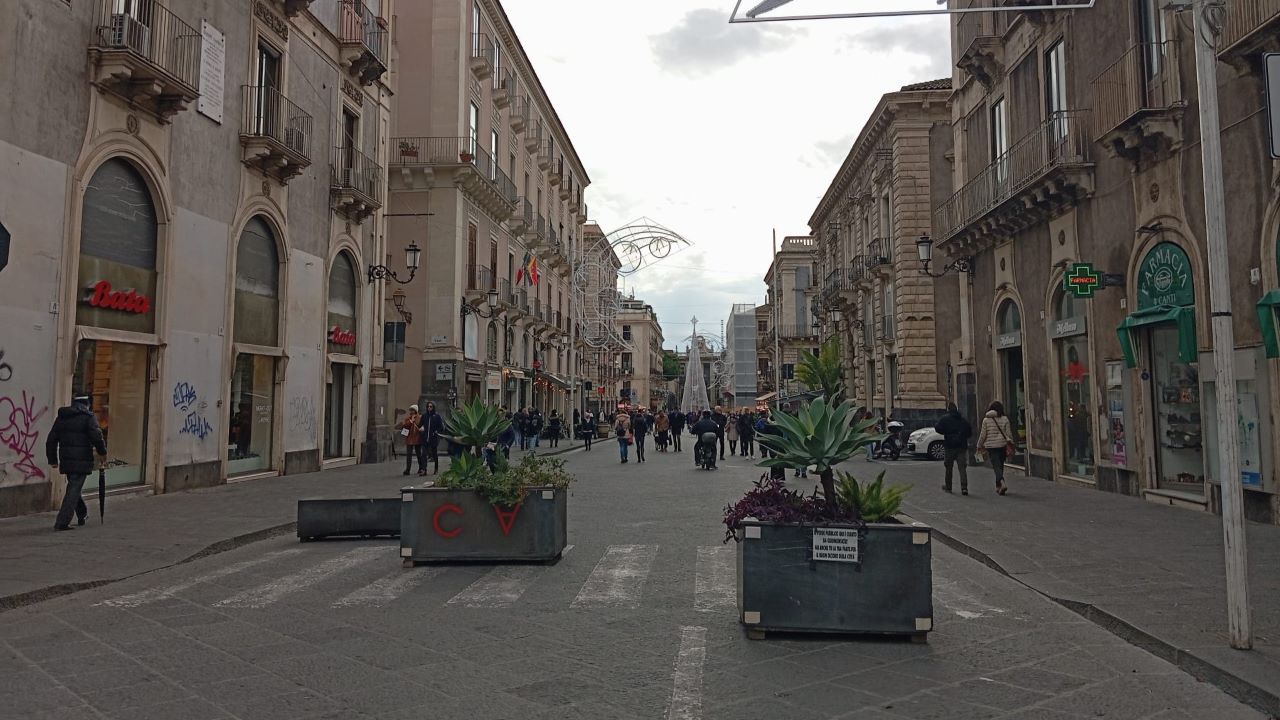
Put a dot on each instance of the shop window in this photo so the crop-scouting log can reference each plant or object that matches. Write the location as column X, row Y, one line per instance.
column 342, row 306
column 1013, row 385
column 249, row 442
column 114, row 377
column 1075, row 377
column 257, row 306
column 117, row 273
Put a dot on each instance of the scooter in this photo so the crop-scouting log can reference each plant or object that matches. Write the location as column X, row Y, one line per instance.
column 891, row 446
column 705, row 455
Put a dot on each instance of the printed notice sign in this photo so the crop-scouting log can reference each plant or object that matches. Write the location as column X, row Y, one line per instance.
column 835, row 544
column 213, row 62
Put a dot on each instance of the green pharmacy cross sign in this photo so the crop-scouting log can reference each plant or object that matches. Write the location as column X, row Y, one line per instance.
column 1082, row 280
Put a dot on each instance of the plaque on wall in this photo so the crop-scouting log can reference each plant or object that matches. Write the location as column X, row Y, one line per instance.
column 213, row 61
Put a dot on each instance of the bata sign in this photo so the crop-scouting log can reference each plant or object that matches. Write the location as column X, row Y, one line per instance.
column 338, row 336
column 100, row 295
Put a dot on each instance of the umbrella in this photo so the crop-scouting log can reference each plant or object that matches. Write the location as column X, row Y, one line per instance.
column 102, row 492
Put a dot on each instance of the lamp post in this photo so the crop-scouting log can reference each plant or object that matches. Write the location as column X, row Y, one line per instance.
column 488, row 311
column 412, row 259
column 924, row 246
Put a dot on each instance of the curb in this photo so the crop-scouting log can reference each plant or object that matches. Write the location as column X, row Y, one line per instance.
column 1256, row 697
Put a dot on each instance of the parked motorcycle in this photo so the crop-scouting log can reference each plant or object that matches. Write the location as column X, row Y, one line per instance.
column 890, row 448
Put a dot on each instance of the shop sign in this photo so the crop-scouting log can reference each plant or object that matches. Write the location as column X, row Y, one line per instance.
column 101, row 295
column 835, row 544
column 1009, row 340
column 338, row 336
column 1069, row 327
column 1082, row 280
column 444, row 372
column 493, row 381
column 1164, row 278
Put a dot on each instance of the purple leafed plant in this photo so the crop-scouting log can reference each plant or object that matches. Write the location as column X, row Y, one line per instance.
column 771, row 501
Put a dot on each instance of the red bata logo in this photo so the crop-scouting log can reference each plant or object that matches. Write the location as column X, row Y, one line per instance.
column 102, row 296
column 338, row 336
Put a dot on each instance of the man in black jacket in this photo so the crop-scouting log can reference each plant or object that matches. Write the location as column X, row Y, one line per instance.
column 704, row 426
column 677, row 427
column 641, row 423
column 69, row 447
column 955, row 432
column 720, row 420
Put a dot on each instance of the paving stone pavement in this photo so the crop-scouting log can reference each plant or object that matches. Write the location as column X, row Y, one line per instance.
column 1152, row 572
column 635, row 621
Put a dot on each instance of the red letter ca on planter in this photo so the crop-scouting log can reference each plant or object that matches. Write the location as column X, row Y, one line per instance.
column 506, row 519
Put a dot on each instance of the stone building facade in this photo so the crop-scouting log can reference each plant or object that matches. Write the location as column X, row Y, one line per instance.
column 1077, row 141
column 640, row 357
column 193, row 202
column 896, row 324
column 486, row 180
column 600, row 339
column 792, row 301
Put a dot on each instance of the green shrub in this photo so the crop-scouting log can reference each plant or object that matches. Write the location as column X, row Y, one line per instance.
column 872, row 501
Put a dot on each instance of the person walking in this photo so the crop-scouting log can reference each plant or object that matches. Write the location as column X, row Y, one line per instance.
column 720, row 420
column 995, row 439
column 72, row 441
column 747, row 433
column 432, row 429
column 640, row 427
column 411, row 430
column 519, row 421
column 955, row 432
column 622, row 431
column 554, row 424
column 588, row 429
column 677, row 419
column 731, row 433
column 535, row 426
column 762, row 423
column 507, row 438
column 662, row 430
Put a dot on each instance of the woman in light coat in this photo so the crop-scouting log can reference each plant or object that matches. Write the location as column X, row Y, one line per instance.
column 731, row 434
column 994, row 438
column 622, row 431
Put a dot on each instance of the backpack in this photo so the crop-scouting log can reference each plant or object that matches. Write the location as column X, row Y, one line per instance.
column 760, row 425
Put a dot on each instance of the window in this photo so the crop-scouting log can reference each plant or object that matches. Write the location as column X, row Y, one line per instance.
column 886, row 222
column 476, row 29
column 118, row 244
column 493, row 154
column 626, row 361
column 257, row 308
column 267, row 113
column 493, row 263
column 475, row 129
column 1153, row 34
column 1000, row 139
column 890, row 312
column 1055, row 84
column 891, row 369
column 762, row 326
column 491, row 343
column 350, row 141
column 508, row 347
column 471, row 256
column 626, row 332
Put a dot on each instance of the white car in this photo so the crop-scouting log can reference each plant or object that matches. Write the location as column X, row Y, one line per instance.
column 926, row 442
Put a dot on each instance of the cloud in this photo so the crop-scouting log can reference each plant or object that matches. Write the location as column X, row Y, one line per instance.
column 704, row 42
column 931, row 40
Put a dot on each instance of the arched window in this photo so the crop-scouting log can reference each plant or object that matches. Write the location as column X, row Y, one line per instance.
column 1009, row 318
column 1070, row 334
column 342, row 305
column 508, row 347
column 491, row 343
column 118, row 234
column 257, row 299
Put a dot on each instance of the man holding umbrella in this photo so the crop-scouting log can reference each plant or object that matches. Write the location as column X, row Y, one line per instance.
column 72, row 440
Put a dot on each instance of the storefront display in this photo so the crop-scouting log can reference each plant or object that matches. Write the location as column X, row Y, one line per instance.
column 1013, row 384
column 249, row 443
column 340, row 389
column 1178, row 431
column 1069, row 331
column 114, row 377
column 1116, row 433
column 1253, row 422
column 257, row 321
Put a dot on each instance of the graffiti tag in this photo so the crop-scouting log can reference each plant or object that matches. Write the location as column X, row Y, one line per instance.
column 184, row 396
column 302, row 415
column 196, row 425
column 6, row 370
column 186, row 400
column 18, row 432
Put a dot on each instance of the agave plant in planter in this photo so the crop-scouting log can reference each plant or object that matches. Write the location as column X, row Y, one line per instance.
column 842, row 562
column 482, row 507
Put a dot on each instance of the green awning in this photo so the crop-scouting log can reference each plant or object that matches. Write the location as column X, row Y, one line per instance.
column 1267, row 320
column 1185, row 317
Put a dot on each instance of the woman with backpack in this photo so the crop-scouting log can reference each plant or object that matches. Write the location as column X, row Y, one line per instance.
column 622, row 431
column 995, row 439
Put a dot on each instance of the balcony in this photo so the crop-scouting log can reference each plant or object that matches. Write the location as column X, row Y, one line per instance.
column 858, row 271
column 475, row 172
column 482, row 54
column 146, row 55
column 506, row 295
column 1243, row 38
column 518, row 113
column 879, row 256
column 556, row 176
column 575, row 201
column 582, row 213
column 566, row 188
column 981, row 49
column 536, row 235
column 1044, row 172
column 1138, row 103
column 355, row 183
column 796, row 332
column 522, row 300
column 558, row 322
column 523, row 217
column 275, row 133
column 533, row 133
column 479, row 281
column 504, row 88
column 365, row 42
column 544, row 158
column 293, row 8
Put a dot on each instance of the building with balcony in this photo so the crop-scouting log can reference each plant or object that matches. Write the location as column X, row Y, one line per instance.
column 1077, row 141
column 193, row 210
column 896, row 324
column 466, row 185
column 599, row 338
column 793, row 301
column 642, row 383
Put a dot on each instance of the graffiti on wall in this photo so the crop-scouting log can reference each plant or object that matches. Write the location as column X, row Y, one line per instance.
column 19, row 433
column 6, row 370
column 302, row 415
column 187, row 402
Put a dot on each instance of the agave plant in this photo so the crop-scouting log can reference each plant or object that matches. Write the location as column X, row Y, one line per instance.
column 823, row 371
column 475, row 425
column 872, row 500
column 822, row 435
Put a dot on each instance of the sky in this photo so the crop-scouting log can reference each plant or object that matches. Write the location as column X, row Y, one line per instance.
column 721, row 133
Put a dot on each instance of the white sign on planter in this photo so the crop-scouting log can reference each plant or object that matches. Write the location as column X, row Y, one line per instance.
column 835, row 544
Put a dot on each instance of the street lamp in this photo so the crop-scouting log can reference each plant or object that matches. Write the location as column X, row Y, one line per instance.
column 412, row 258
column 924, row 246
column 491, row 302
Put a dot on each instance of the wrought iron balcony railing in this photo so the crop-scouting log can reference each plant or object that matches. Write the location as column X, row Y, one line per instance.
column 1144, row 79
column 147, row 54
column 367, row 34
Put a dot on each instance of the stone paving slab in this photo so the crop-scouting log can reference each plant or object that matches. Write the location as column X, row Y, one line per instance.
column 144, row 532
column 1152, row 574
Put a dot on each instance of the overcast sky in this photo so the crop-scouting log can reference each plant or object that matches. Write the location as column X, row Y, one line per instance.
column 719, row 132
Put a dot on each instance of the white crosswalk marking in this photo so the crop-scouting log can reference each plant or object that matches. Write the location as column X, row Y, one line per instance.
column 618, row 579
column 164, row 593
column 686, row 690
column 388, row 587
column 715, row 586
column 500, row 587
column 265, row 595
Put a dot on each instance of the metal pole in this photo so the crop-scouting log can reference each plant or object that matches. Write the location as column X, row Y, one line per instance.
column 1233, row 529
column 775, row 300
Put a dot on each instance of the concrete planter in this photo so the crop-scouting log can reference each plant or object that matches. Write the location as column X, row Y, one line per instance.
column 439, row 525
column 887, row 590
column 348, row 517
